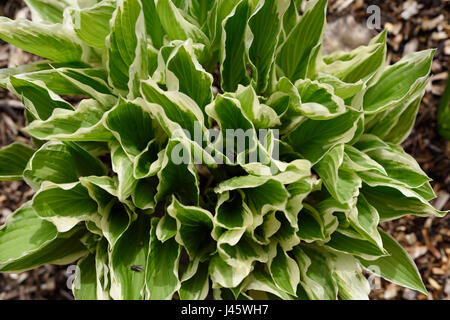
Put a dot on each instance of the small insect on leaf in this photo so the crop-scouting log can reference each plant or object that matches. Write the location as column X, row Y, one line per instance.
column 137, row 268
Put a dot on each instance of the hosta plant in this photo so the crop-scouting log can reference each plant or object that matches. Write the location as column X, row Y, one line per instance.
column 216, row 152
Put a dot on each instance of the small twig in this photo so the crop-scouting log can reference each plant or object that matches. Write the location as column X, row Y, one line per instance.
column 11, row 104
column 430, row 246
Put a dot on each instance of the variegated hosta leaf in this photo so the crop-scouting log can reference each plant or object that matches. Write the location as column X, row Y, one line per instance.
column 312, row 139
column 55, row 41
column 92, row 24
column 161, row 273
column 175, row 25
column 233, row 68
column 214, row 153
column 127, row 60
column 360, row 64
column 13, row 160
column 28, row 241
column 85, row 284
column 184, row 73
column 296, row 55
column 65, row 205
column 37, row 98
column 397, row 267
column 128, row 261
column 265, row 26
column 82, row 124
column 60, row 163
column 49, row 10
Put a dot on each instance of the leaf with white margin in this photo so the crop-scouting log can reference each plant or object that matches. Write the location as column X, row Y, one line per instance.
column 143, row 196
column 185, row 74
column 265, row 26
column 341, row 89
column 401, row 169
column 398, row 82
column 42, row 65
column 85, row 284
column 102, row 270
column 286, row 236
column 115, row 216
column 240, row 253
column 316, row 274
column 181, row 119
column 195, row 281
column 311, row 225
column 131, row 125
column 361, row 63
column 59, row 162
column 342, row 184
column 271, row 195
column 23, row 233
column 284, row 271
column 13, row 160
column 312, row 139
column 127, row 47
column 37, row 98
column 352, row 285
column 397, row 267
column 92, row 24
column 194, row 226
column 318, row 101
column 65, row 205
column 83, row 124
column 123, row 166
column 286, row 102
column 166, row 228
column 176, row 26
column 129, row 252
column 155, row 30
column 178, row 108
column 50, row 11
column 263, row 193
column 355, row 160
column 259, row 280
column 425, row 191
column 396, row 202
column 365, row 219
column 102, row 190
column 73, row 79
column 370, row 142
column 200, row 11
column 298, row 191
column 291, row 17
column 220, row 11
column 261, row 115
column 294, row 55
column 263, row 232
column 62, row 250
column 51, row 41
column 161, row 272
column 401, row 122
column 347, row 240
column 232, row 213
column 223, row 274
column 234, row 124
column 148, row 162
column 115, row 222
column 233, row 68
column 172, row 173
